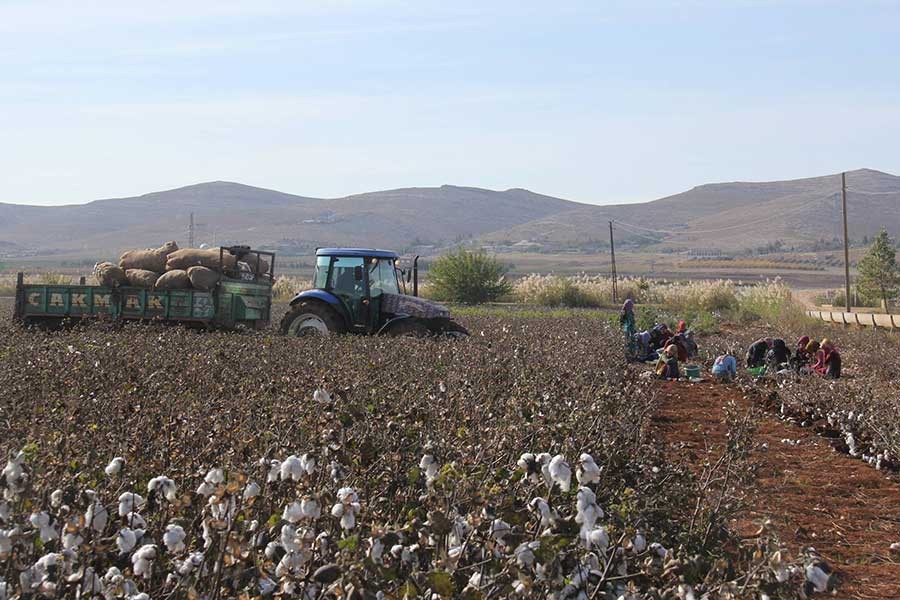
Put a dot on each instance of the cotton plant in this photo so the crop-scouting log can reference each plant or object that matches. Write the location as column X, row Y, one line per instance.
column 130, row 502
column 587, row 472
column 211, row 481
column 346, row 508
column 114, row 467
column 15, row 475
column 560, row 472
column 173, row 538
column 164, row 487
column 430, row 468
column 294, row 467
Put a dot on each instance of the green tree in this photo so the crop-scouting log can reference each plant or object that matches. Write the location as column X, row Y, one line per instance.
column 879, row 275
column 468, row 277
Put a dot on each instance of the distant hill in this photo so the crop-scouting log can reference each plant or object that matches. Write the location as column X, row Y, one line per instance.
column 722, row 215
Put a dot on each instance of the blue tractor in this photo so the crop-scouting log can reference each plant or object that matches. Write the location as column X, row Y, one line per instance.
column 358, row 290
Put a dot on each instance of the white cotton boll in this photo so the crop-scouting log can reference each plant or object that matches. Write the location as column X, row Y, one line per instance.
column 163, row 486
column 540, row 506
column 598, row 538
column 71, row 541
column 274, row 471
column 348, row 520
column 173, row 538
column 321, row 396
column 346, row 495
column 141, row 596
column 115, row 466
column 130, row 502
column 308, row 464
column 215, row 476
column 639, row 543
column 41, row 522
column 337, row 510
column 530, row 467
column 543, row 460
column 310, row 509
column 293, row 512
column 206, row 489
column 142, row 561
column 126, row 540
column 97, row 516
column 587, row 511
column 430, row 467
column 251, row 491
column 290, row 563
column 292, row 469
column 588, row 471
column 500, row 529
column 4, row 512
column 659, row 550
column 56, row 498
column 135, row 521
column 561, row 473
column 685, row 592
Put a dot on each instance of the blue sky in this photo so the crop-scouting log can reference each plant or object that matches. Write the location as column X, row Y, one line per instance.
column 599, row 101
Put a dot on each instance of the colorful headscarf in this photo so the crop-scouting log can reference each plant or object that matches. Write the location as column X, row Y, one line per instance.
column 682, row 327
column 803, row 342
column 628, row 306
column 672, row 350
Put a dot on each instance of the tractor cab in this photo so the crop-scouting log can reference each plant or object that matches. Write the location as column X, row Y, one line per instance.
column 362, row 291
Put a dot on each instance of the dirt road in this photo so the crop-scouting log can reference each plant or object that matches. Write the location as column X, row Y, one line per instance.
column 814, row 495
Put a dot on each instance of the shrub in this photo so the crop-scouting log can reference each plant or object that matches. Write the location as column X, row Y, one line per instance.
column 468, row 277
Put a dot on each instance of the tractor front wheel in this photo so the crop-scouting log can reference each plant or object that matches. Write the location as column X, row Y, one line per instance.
column 311, row 318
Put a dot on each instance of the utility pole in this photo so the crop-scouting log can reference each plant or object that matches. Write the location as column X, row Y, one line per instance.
column 191, row 232
column 846, row 241
column 612, row 252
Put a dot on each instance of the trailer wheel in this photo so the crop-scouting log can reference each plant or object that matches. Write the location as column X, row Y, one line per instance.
column 311, row 318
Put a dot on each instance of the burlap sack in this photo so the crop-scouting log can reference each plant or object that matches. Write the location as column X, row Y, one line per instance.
column 109, row 275
column 149, row 260
column 141, row 278
column 194, row 257
column 202, row 278
column 176, row 279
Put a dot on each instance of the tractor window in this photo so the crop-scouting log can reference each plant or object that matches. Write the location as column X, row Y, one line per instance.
column 382, row 277
column 321, row 277
column 343, row 276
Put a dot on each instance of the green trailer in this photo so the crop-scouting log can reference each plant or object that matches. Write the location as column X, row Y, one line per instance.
column 240, row 299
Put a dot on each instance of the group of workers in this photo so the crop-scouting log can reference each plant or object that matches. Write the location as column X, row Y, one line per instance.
column 809, row 356
column 669, row 348
column 659, row 343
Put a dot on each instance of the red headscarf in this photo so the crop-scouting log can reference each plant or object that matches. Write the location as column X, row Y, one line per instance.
column 682, row 327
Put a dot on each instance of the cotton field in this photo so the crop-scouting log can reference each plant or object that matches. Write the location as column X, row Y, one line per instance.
column 159, row 462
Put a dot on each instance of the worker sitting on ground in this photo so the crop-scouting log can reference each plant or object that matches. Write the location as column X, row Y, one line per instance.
column 667, row 365
column 828, row 361
column 643, row 351
column 778, row 357
column 725, row 367
column 660, row 336
column 801, row 356
column 756, row 353
column 812, row 356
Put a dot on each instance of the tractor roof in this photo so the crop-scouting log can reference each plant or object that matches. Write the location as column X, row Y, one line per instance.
column 360, row 252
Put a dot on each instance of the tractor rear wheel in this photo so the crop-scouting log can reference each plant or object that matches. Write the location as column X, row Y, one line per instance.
column 311, row 318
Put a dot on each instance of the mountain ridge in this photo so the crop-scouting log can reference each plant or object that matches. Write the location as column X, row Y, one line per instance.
column 797, row 212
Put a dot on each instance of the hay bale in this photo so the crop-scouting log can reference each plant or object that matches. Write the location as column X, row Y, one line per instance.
column 141, row 278
column 109, row 275
column 194, row 257
column 176, row 279
column 148, row 260
column 202, row 278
